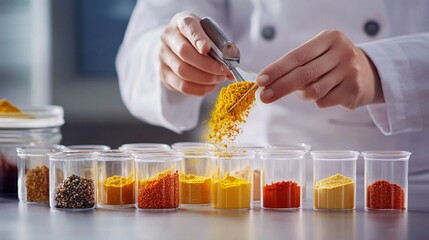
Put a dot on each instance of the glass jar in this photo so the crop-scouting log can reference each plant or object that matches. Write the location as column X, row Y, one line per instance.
column 116, row 180
column 157, row 176
column 334, row 179
column 300, row 147
column 196, row 176
column 43, row 129
column 386, row 180
column 33, row 173
column 282, row 179
column 72, row 180
column 232, row 179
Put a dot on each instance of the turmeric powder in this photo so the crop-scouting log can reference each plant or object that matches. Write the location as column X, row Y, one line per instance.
column 224, row 123
column 116, row 190
column 231, row 193
column 194, row 189
column 334, row 192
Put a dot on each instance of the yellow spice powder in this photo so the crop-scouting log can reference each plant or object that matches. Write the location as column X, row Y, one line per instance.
column 194, row 189
column 335, row 192
column 224, row 126
column 231, row 193
column 116, row 190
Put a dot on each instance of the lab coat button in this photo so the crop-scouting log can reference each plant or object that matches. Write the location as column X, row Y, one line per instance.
column 268, row 32
column 372, row 28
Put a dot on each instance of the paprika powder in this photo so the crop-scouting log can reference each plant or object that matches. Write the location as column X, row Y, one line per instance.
column 282, row 195
column 385, row 195
column 160, row 191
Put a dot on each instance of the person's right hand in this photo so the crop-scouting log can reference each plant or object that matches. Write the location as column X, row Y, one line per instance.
column 185, row 67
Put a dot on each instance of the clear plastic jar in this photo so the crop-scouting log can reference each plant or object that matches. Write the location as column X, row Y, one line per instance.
column 72, row 180
column 87, row 148
column 41, row 130
column 145, row 147
column 33, row 173
column 282, row 179
column 196, row 176
column 116, row 180
column 386, row 180
column 334, row 176
column 157, row 176
column 300, row 147
column 232, row 179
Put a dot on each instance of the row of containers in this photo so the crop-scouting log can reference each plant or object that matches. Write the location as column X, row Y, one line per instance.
column 158, row 177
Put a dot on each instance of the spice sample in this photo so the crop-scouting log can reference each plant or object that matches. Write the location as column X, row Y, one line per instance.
column 37, row 184
column 8, row 177
column 160, row 191
column 256, row 185
column 75, row 192
column 385, row 195
column 282, row 195
column 116, row 190
column 231, row 192
column 195, row 189
column 335, row 192
column 224, row 125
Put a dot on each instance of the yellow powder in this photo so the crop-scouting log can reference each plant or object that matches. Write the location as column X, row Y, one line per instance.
column 335, row 192
column 244, row 174
column 231, row 193
column 224, row 126
column 8, row 110
column 195, row 189
column 116, row 190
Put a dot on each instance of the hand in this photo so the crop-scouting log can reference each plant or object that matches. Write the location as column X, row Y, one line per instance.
column 328, row 69
column 184, row 66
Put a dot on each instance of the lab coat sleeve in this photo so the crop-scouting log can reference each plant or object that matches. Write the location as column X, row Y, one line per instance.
column 137, row 64
column 403, row 66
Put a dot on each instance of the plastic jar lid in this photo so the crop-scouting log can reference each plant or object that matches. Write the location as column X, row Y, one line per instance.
column 389, row 155
column 335, row 155
column 43, row 117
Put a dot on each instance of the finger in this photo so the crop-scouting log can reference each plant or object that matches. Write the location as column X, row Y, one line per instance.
column 186, row 71
column 340, row 95
column 302, row 76
column 186, row 87
column 185, row 51
column 189, row 25
column 321, row 87
column 295, row 58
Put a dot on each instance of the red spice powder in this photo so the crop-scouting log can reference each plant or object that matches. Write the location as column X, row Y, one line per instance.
column 160, row 193
column 282, row 195
column 385, row 195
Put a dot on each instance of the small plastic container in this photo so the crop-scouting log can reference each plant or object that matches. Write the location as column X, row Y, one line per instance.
column 72, row 181
column 87, row 148
column 145, row 147
column 157, row 176
column 334, row 179
column 232, row 179
column 282, row 179
column 42, row 130
column 386, row 180
column 300, row 147
column 33, row 173
column 196, row 176
column 116, row 180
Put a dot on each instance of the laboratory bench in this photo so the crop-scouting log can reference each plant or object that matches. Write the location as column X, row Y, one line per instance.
column 29, row 221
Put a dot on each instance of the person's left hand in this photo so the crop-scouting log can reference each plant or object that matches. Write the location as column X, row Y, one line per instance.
column 328, row 69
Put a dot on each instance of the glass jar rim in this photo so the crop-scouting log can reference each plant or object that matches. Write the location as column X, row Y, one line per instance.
column 44, row 116
column 114, row 155
column 388, row 155
column 292, row 146
column 88, row 147
column 281, row 154
column 73, row 156
column 39, row 151
column 144, row 147
column 237, row 153
column 335, row 155
column 165, row 156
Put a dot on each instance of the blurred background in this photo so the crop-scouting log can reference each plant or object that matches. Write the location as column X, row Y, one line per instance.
column 63, row 53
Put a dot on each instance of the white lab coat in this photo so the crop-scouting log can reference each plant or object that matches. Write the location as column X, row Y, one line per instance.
column 400, row 52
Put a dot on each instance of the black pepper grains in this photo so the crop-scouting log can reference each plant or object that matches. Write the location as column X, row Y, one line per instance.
column 75, row 192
